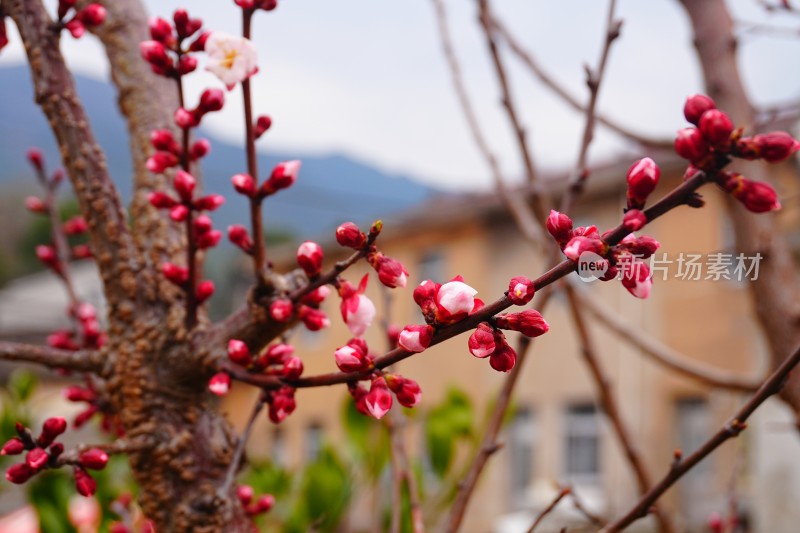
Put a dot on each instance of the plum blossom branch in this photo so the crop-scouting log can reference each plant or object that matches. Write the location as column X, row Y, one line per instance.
column 562, row 493
column 79, row 361
column 737, row 423
column 664, row 355
column 238, row 453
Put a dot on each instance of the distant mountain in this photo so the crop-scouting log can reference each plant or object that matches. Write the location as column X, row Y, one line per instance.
column 331, row 189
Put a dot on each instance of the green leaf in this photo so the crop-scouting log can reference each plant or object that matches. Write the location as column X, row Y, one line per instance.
column 21, row 384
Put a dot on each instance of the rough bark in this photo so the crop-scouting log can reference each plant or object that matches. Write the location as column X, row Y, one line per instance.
column 776, row 292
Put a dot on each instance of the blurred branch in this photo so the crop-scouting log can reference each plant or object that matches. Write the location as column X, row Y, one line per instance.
column 238, row 453
column 549, row 509
column 402, row 473
column 581, row 507
column 772, row 385
column 79, row 361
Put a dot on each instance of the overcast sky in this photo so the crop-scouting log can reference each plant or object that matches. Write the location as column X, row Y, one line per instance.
column 367, row 77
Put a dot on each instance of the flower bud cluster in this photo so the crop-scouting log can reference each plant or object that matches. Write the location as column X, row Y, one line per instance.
column 254, row 506
column 391, row 272
column 167, row 52
column 378, row 399
column 88, row 17
column 489, row 341
column 88, row 394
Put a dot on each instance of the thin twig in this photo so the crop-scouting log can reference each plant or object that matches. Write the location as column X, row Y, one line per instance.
column 80, row 360
column 118, row 447
column 665, row 355
column 771, row 386
column 611, row 408
column 549, row 509
column 238, row 453
column 581, row 507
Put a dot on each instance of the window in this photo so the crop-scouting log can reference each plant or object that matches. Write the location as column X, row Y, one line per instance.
column 313, row 441
column 582, row 444
column 521, row 444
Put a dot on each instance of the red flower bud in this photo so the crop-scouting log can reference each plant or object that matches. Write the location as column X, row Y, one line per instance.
column 36, row 459
column 211, row 100
column 200, row 148
column 179, row 213
column 184, row 184
column 94, row 459
column 175, row 274
column 52, row 428
column 244, row 184
column 208, row 240
column 756, row 196
column 520, row 290
column 559, row 226
column 776, row 146
column 187, row 64
column 209, row 203
column 239, row 236
column 76, row 28
column 378, row 400
column 349, row 235
column 263, row 123
column 634, row 220
column 19, row 473
column 36, row 159
column 292, row 368
column 309, row 257
column 34, row 204
column 695, row 106
column 282, row 405
column 313, row 319
column 163, row 140
column 245, row 4
column 482, row 341
column 155, row 53
column 220, row 384
column 406, row 390
column 283, row 176
column 204, row 290
column 161, row 161
column 161, row 30
column 642, row 180
column 503, row 358
column 184, row 25
column 199, row 44
column 281, row 310
column 529, row 322
column 92, row 15
column 75, row 226
column 15, row 446
column 238, row 352
column 245, row 494
column 48, row 256
column 415, row 338
column 84, row 483
column 81, row 251
column 263, row 504
column 689, row 144
column 185, row 119
column 716, row 128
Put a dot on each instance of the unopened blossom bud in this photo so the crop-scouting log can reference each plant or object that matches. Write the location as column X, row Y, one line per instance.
column 715, row 523
column 160, row 30
column 309, row 257
column 75, row 226
column 202, row 224
column 695, row 106
column 179, row 213
column 353, row 356
column 92, row 15
column 81, row 251
column 204, row 291
column 520, row 290
column 529, row 322
column 292, row 368
column 184, row 25
column 264, row 503
column 62, row 340
column 263, row 123
column 56, row 449
column 84, row 483
column 161, row 200
column 209, row 203
column 716, row 127
column 634, row 220
column 245, row 494
column 238, row 352
column 14, row 446
column 281, row 310
column 278, row 354
column 689, row 144
column 36, row 159
column 161, row 161
column 3, row 33
column 580, row 245
column 776, row 146
column 75, row 393
column 358, row 311
column 642, row 180
column 175, row 274
column 415, row 338
column 317, row 296
column 187, row 64
column 211, row 100
column 642, row 247
column 199, row 149
column 48, row 256
column 34, row 204
column 283, row 176
column 199, row 44
column 245, row 4
column 559, row 226
column 239, row 236
column 155, row 53
column 391, row 272
column 76, row 28
column 19, row 473
column 349, row 235
column 184, row 184
column 313, row 319
column 636, row 278
column 282, row 405
column 36, row 458
column 503, row 358
column 185, row 119
column 406, row 390
column 244, row 184
column 482, row 341
column 425, row 296
column 94, row 459
column 52, row 428
column 454, row 300
column 378, row 400
column 756, row 196
column 209, row 239
column 219, row 384
column 163, row 140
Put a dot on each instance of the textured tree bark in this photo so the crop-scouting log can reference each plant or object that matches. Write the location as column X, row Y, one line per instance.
column 776, row 293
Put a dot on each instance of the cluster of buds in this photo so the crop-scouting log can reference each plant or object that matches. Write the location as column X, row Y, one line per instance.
column 211, row 100
column 167, row 52
column 446, row 303
column 254, row 506
column 489, row 341
column 91, row 334
column 282, row 309
column 283, row 176
column 281, row 403
column 89, row 395
column 277, row 360
column 43, row 452
column 377, row 401
column 587, row 248
column 713, row 140
column 88, row 17
column 169, row 152
column 390, row 272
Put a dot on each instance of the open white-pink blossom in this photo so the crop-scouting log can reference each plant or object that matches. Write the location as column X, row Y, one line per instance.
column 232, row 59
column 456, row 297
column 358, row 312
column 415, row 338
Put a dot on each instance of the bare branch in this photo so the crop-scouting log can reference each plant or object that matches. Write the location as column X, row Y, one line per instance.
column 772, row 385
column 233, row 468
column 79, row 361
column 663, row 354
column 549, row 509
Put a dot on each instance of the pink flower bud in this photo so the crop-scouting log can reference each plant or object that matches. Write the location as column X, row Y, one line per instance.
column 184, row 184
column 695, row 106
column 353, row 356
column 263, row 123
column 238, row 352
column 175, row 274
column 245, row 4
column 81, row 251
column 756, row 196
column 406, row 390
column 503, row 358
column 184, row 25
column 776, row 146
column 358, row 311
column 36, row 459
column 211, row 100
column 187, row 64
column 642, row 180
column 482, row 341
column 204, row 291
column 245, row 494
column 689, row 144
column 264, row 503
column 75, row 393
column 281, row 310
column 309, row 257
column 3, row 33
column 715, row 523
column 92, row 15
column 84, row 483
column 160, row 30
column 391, row 272
column 219, row 384
column 161, row 161
column 94, row 459
column 292, row 368
column 283, row 176
column 199, row 44
column 34, row 204
column 15, row 446
column 202, row 224
column 62, row 339
column 317, row 296
column 209, row 203
column 185, row 119
column 75, row 226
column 350, row 236
column 716, row 127
column 559, row 226
column 200, row 148
column 520, row 290
column 313, row 319
column 634, row 220
column 378, row 400
column 76, row 28
column 580, row 245
column 51, row 428
column 155, row 53
column 179, row 213
column 19, row 473
column 163, row 140
column 208, row 240
column 282, row 405
column 239, row 236
column 48, row 256
column 529, row 322
column 36, row 159
column 244, row 184
column 642, row 247
column 454, row 300
column 415, row 338
column 636, row 278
